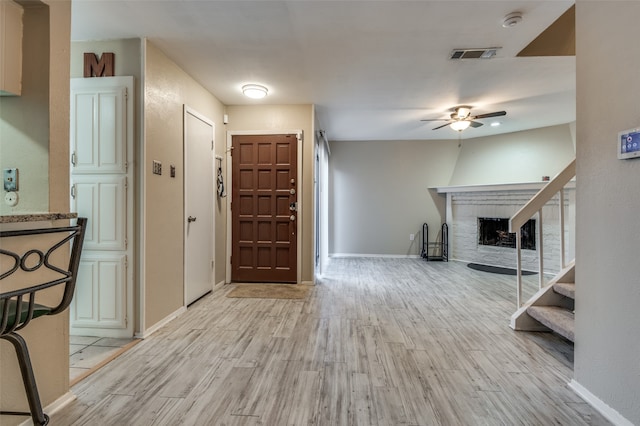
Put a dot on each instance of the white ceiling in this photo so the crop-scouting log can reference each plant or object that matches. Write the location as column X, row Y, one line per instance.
column 372, row 68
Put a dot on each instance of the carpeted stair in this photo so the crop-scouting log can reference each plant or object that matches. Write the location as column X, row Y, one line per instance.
column 560, row 319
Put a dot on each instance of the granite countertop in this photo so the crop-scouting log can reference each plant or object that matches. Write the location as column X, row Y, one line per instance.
column 36, row 217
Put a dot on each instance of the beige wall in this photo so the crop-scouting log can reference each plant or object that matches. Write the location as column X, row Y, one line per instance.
column 127, row 54
column 286, row 118
column 24, row 120
column 167, row 89
column 128, row 62
column 608, row 201
column 379, row 194
column 379, row 191
column 48, row 338
column 514, row 157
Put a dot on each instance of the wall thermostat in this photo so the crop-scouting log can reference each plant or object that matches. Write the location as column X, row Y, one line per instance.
column 629, row 144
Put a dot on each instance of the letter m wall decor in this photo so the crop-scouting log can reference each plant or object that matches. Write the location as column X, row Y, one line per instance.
column 99, row 68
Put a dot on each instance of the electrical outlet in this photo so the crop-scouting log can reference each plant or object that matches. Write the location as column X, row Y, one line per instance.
column 157, row 167
column 412, row 237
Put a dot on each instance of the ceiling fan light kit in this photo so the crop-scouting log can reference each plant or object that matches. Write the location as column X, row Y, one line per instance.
column 460, row 125
column 461, row 118
column 461, row 112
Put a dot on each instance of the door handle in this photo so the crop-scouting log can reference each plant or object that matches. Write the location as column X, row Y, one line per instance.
column 191, row 219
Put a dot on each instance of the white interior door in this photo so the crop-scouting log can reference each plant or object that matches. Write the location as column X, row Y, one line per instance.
column 199, row 201
column 101, row 149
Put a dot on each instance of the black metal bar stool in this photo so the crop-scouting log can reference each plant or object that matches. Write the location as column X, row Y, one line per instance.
column 19, row 307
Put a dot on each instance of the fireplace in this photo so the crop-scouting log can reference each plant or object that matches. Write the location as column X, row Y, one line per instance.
column 493, row 231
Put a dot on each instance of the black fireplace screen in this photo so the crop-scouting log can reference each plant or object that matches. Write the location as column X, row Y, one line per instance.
column 494, row 231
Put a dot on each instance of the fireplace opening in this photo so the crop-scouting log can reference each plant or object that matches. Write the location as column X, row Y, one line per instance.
column 493, row 231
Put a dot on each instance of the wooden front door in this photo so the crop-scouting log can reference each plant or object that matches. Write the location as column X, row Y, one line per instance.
column 264, row 208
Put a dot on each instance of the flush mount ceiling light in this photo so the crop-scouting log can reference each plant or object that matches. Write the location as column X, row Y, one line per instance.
column 254, row 91
column 460, row 125
column 495, row 124
column 512, row 19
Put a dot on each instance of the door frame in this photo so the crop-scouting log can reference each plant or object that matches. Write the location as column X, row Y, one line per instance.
column 194, row 113
column 300, row 138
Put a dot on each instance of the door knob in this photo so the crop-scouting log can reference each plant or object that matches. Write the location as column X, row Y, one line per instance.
column 292, row 217
column 191, row 219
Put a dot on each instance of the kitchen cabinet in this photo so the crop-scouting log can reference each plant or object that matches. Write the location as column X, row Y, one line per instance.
column 10, row 48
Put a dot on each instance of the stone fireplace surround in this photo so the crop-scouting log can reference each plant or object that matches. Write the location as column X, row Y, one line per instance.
column 465, row 204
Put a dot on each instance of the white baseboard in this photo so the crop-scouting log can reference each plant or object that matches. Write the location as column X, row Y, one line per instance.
column 149, row 331
column 307, row 283
column 54, row 407
column 612, row 415
column 389, row 256
column 220, row 284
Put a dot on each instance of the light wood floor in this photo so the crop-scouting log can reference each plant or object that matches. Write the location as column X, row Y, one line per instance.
column 378, row 342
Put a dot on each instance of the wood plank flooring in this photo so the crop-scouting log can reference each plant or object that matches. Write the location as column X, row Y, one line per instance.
column 377, row 342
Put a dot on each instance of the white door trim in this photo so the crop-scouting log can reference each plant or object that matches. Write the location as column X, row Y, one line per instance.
column 229, row 184
column 190, row 111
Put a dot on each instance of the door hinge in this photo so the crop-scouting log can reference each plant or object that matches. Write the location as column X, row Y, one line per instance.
column 126, row 166
column 299, row 136
column 213, row 262
column 126, row 258
column 126, row 243
column 126, row 184
column 126, row 94
column 212, row 142
column 231, row 260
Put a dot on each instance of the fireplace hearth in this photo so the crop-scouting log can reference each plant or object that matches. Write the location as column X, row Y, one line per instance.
column 493, row 231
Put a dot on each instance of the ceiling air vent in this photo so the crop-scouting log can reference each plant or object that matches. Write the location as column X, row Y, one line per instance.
column 486, row 53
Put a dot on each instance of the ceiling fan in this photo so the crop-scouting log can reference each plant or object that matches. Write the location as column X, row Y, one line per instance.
column 461, row 118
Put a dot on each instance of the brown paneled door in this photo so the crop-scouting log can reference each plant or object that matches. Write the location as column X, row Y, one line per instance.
column 264, row 208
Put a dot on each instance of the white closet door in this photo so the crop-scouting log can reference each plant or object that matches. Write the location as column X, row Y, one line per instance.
column 101, row 147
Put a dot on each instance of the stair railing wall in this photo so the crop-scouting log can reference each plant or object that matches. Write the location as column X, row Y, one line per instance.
column 534, row 207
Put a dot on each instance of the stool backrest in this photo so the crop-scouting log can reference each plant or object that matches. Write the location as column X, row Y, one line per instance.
column 20, row 304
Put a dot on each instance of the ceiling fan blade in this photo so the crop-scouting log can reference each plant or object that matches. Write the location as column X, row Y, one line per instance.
column 436, row 119
column 475, row 123
column 440, row 127
column 490, row 114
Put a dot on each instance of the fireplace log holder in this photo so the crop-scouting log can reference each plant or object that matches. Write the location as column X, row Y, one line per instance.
column 441, row 248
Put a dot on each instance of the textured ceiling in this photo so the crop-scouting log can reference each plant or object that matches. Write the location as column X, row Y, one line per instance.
column 373, row 69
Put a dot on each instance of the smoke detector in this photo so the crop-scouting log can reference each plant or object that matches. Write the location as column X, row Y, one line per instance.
column 512, row 19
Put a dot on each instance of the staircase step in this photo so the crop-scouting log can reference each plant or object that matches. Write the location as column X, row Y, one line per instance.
column 565, row 289
column 556, row 318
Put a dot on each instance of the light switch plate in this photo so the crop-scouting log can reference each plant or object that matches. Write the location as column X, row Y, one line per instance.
column 10, row 177
column 157, row 167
